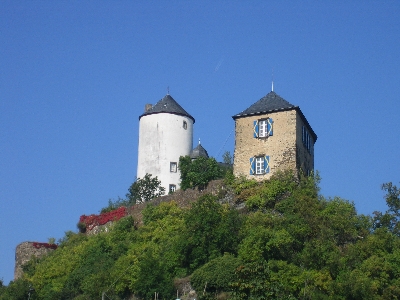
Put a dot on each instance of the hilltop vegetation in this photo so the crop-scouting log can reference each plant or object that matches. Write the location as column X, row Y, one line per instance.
column 286, row 242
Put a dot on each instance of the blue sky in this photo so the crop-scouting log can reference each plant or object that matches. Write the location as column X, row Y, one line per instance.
column 75, row 76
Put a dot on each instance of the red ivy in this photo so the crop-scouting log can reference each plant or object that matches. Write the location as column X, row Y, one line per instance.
column 46, row 245
column 95, row 220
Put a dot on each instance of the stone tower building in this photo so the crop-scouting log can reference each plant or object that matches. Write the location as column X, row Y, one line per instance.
column 165, row 134
column 272, row 135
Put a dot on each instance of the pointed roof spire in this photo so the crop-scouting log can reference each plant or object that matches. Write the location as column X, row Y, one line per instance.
column 272, row 88
column 199, row 151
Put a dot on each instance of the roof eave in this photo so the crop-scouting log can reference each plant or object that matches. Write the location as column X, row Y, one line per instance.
column 164, row 112
column 238, row 116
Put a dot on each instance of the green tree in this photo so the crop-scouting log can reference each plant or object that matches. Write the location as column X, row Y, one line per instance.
column 198, row 172
column 215, row 276
column 227, row 158
column 17, row 290
column 152, row 277
column 265, row 237
column 145, row 189
column 391, row 218
column 254, row 281
column 211, row 230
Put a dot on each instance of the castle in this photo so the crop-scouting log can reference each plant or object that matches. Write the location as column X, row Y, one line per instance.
column 270, row 135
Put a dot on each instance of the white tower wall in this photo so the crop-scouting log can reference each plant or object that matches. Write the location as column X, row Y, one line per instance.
column 162, row 140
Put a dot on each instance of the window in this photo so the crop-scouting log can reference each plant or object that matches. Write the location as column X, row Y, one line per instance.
column 172, row 188
column 263, row 128
column 259, row 165
column 173, row 167
column 307, row 140
column 184, row 125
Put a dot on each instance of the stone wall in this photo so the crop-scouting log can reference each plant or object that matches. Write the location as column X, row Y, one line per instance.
column 25, row 251
column 305, row 159
column 184, row 199
column 280, row 147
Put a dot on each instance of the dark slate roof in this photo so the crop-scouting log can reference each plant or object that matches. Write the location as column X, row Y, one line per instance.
column 167, row 105
column 269, row 103
column 272, row 102
column 198, row 151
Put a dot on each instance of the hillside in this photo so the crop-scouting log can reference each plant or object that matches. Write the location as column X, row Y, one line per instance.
column 278, row 239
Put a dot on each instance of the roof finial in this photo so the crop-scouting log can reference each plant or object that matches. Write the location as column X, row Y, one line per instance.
column 199, row 141
column 272, row 89
column 167, row 90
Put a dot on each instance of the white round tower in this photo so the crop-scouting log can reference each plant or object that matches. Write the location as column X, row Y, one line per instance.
column 165, row 134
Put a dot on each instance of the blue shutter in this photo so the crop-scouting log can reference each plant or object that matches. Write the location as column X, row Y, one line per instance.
column 252, row 165
column 266, row 164
column 255, row 129
column 270, row 127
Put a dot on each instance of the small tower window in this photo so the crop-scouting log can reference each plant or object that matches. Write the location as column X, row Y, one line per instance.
column 173, row 167
column 172, row 188
column 259, row 165
column 184, row 125
column 307, row 141
column 263, row 128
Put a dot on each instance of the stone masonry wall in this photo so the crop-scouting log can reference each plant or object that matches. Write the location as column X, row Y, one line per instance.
column 24, row 252
column 281, row 147
column 305, row 160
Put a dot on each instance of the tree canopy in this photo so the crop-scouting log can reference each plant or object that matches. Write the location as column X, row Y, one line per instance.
column 198, row 172
column 286, row 242
column 145, row 189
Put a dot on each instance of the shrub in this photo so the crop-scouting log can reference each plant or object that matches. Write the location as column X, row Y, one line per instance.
column 216, row 275
column 81, row 226
column 145, row 189
column 198, row 172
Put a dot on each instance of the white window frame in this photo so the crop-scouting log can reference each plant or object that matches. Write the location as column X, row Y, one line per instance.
column 260, row 167
column 173, row 167
column 263, row 128
column 172, row 188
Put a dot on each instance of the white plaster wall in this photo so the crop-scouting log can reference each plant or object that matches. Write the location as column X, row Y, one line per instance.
column 162, row 139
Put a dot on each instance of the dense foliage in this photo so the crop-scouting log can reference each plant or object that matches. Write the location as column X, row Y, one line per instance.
column 288, row 243
column 145, row 189
column 197, row 173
